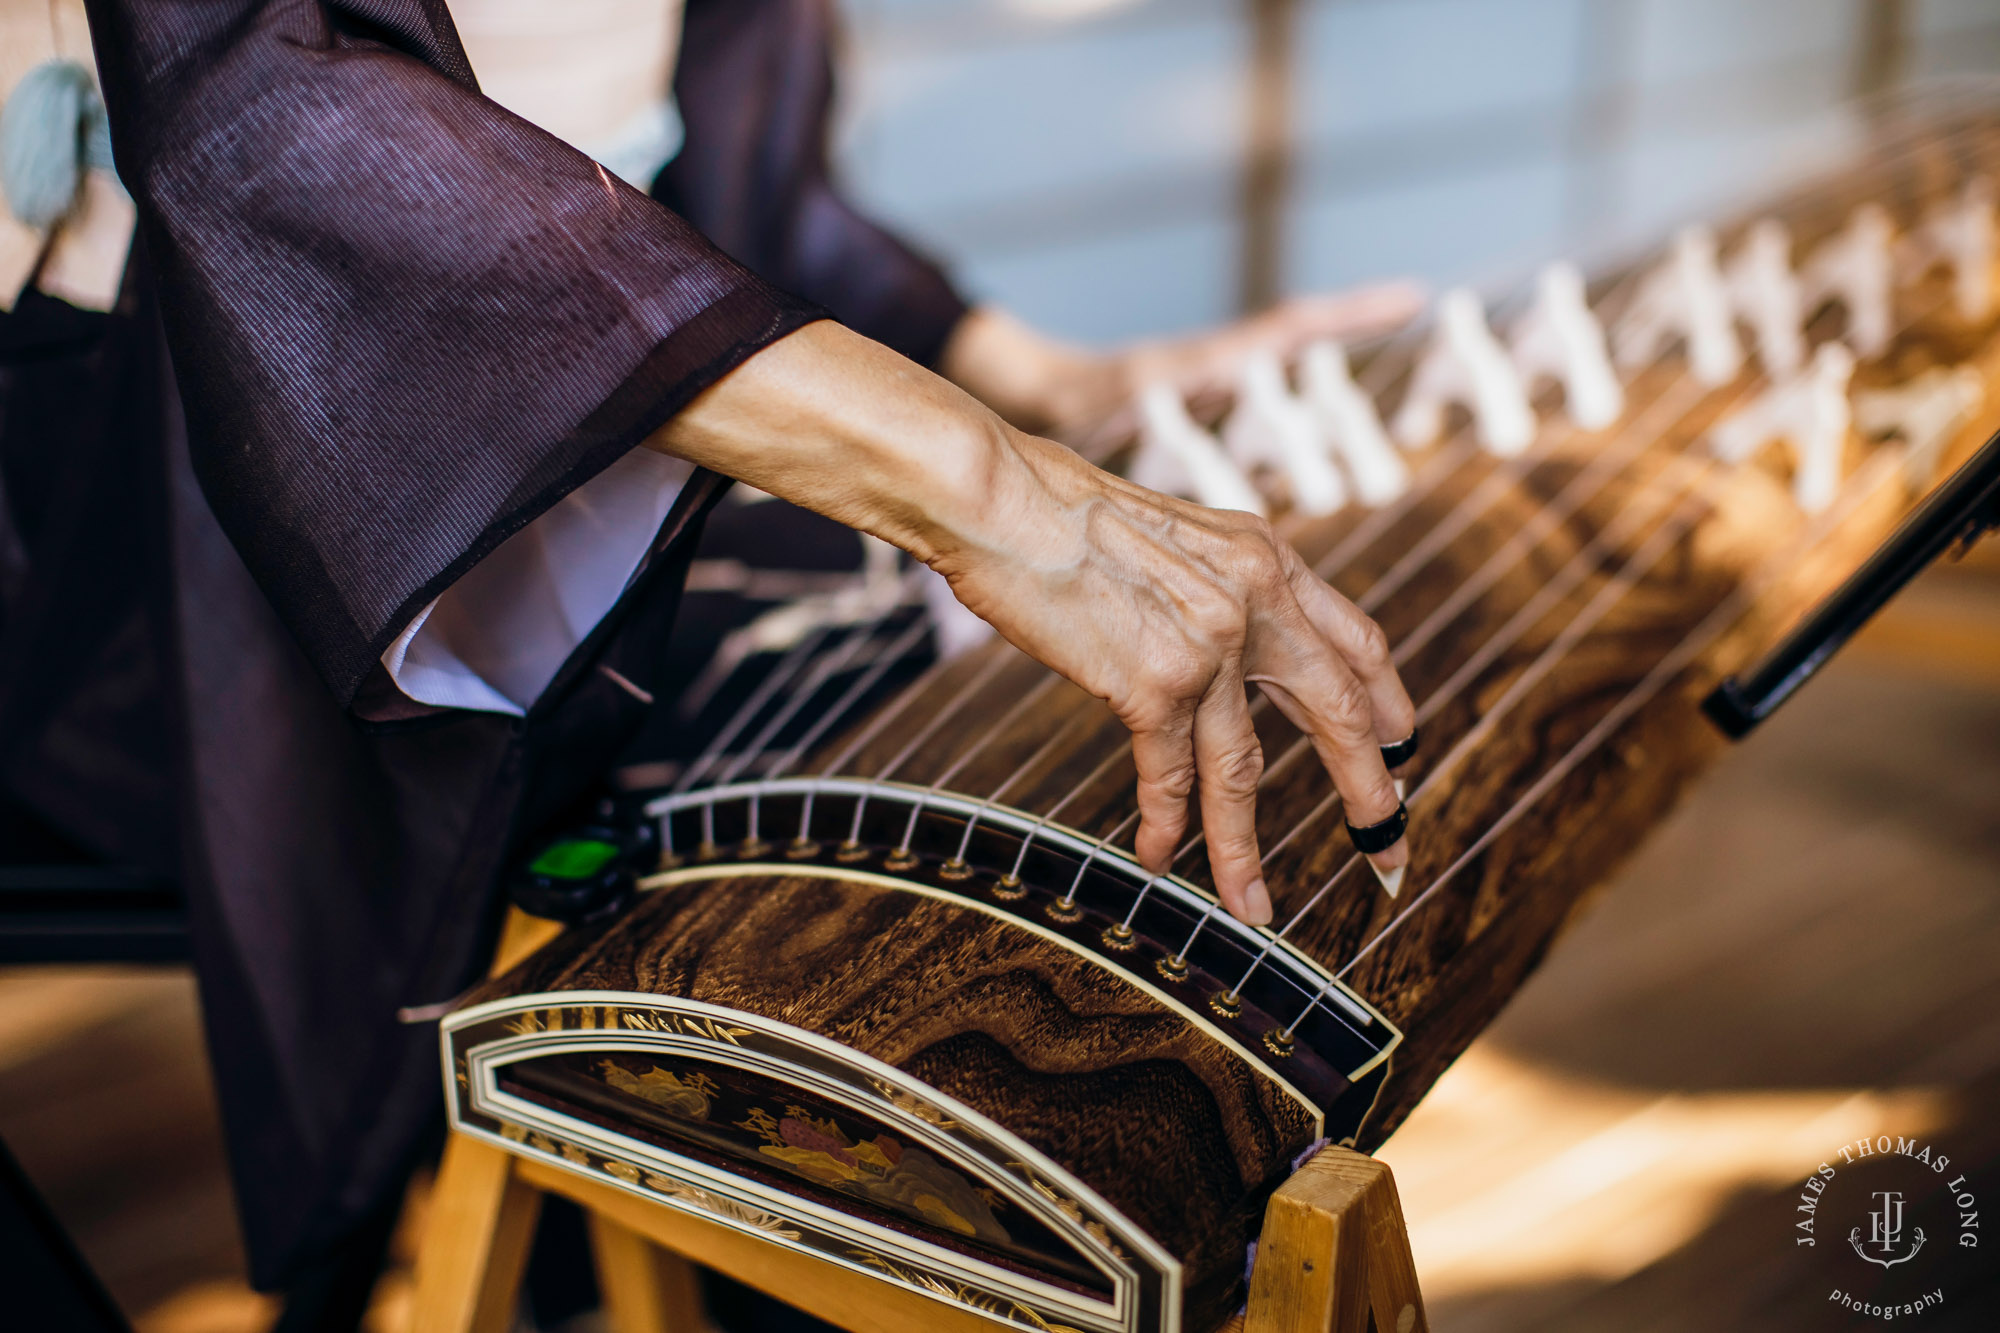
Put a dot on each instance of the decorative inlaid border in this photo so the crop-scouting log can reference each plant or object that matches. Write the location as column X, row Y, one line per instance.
column 479, row 1041
column 1313, row 986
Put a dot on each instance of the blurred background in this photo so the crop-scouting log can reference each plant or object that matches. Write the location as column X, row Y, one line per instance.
column 1115, row 168
column 1806, row 953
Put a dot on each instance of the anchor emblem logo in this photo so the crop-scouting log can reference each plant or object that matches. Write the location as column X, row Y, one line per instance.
column 1885, row 1232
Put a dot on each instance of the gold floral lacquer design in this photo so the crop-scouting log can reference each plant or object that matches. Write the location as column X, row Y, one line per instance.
column 1068, row 1207
column 688, row 1096
column 905, row 1100
column 959, row 1293
column 726, row 1208
column 882, row 1170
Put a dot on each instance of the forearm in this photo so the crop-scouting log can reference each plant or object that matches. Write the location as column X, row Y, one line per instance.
column 841, row 425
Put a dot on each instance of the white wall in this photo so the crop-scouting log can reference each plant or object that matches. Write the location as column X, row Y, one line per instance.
column 1081, row 170
column 1078, row 160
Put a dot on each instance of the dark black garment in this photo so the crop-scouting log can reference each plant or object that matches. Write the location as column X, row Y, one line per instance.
column 49, row 1283
column 88, row 733
column 403, row 323
column 755, row 87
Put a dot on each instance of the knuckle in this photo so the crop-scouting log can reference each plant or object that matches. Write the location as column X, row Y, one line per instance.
column 1177, row 678
column 1233, row 846
column 1376, row 801
column 1348, row 714
column 1146, row 711
column 1161, row 692
column 1235, row 522
column 1371, row 646
column 1171, row 785
column 1236, row 771
column 1255, row 561
column 1218, row 617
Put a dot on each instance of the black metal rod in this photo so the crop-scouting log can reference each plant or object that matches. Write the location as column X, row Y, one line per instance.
column 1967, row 504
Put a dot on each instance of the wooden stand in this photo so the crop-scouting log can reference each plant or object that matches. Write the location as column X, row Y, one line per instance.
column 1333, row 1248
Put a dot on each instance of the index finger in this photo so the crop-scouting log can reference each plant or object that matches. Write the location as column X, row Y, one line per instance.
column 1228, row 762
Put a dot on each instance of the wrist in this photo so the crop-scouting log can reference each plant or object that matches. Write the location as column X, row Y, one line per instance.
column 946, row 488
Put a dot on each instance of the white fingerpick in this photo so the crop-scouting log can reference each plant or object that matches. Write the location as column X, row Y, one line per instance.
column 1391, row 880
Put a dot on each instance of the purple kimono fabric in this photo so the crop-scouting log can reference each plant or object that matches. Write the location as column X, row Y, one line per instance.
column 402, row 323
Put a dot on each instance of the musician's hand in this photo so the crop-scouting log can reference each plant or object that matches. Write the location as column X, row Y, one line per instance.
column 1082, row 395
column 1168, row 612
column 1165, row 610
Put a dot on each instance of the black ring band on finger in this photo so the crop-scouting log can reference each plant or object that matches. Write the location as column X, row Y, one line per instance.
column 1401, row 752
column 1382, row 834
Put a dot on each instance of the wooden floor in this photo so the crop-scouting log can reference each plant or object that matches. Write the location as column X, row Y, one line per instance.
column 1808, row 951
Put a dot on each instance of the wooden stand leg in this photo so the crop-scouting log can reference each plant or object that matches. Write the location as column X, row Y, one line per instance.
column 647, row 1289
column 1334, row 1247
column 476, row 1237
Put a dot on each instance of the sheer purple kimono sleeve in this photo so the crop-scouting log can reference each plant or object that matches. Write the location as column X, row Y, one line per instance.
column 755, row 86
column 404, row 321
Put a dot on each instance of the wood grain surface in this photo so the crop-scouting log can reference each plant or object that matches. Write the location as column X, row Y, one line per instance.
column 1445, row 973
column 1587, row 578
column 1179, row 1133
column 1340, row 1253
